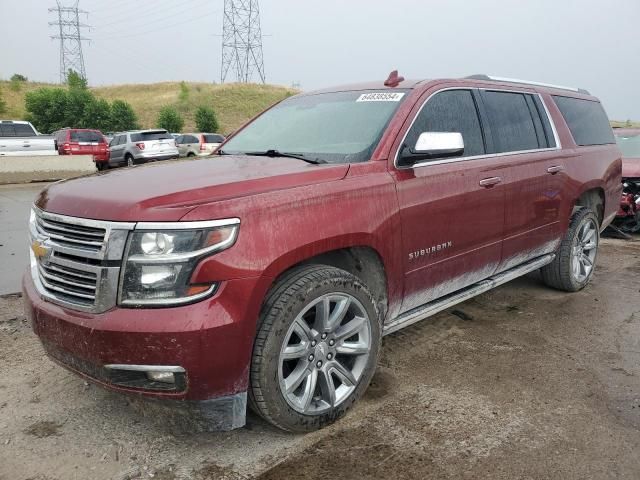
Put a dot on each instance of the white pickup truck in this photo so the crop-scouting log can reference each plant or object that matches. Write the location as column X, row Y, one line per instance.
column 18, row 137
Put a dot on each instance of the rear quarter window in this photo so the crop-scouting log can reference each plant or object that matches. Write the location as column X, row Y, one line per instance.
column 586, row 119
column 213, row 138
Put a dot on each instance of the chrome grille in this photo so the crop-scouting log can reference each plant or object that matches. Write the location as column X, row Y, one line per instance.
column 75, row 262
column 76, row 285
column 74, row 236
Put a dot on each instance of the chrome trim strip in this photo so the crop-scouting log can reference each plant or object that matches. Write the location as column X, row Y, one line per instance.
column 437, row 306
column 183, row 257
column 145, row 368
column 474, row 157
column 87, row 222
column 169, row 302
column 225, row 222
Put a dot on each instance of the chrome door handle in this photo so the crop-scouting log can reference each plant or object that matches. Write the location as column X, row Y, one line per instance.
column 490, row 182
column 555, row 169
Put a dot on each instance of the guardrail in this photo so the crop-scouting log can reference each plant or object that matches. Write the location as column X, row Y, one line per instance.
column 25, row 169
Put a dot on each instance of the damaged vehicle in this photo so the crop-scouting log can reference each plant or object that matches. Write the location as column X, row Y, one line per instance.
column 628, row 218
column 266, row 277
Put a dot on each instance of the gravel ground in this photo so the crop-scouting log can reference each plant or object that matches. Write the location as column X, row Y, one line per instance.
column 521, row 382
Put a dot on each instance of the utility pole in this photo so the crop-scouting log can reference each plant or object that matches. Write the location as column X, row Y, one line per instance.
column 69, row 34
column 242, row 41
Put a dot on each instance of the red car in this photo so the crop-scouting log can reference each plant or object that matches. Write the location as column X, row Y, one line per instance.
column 628, row 218
column 268, row 276
column 82, row 141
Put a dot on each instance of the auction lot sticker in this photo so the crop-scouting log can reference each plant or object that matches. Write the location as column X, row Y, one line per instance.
column 380, row 97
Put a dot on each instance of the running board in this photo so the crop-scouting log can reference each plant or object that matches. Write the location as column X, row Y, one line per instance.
column 452, row 299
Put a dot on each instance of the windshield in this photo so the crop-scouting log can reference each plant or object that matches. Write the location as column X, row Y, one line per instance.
column 629, row 144
column 338, row 127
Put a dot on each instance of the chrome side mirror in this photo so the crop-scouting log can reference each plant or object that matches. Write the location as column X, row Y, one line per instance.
column 439, row 144
column 432, row 145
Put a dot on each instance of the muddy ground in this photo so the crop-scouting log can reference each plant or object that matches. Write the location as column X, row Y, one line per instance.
column 521, row 382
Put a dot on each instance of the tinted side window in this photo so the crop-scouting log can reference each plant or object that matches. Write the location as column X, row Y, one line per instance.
column 511, row 122
column 214, row 138
column 24, row 130
column 450, row 111
column 586, row 119
column 190, row 139
column 7, row 130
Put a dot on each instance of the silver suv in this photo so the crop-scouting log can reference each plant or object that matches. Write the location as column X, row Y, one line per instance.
column 141, row 146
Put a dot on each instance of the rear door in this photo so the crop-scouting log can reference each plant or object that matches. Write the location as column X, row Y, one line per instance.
column 525, row 142
column 191, row 145
column 452, row 210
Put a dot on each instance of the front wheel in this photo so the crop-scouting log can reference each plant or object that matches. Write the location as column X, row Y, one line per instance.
column 315, row 350
column 575, row 260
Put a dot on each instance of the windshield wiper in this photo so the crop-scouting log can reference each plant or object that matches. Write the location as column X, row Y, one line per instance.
column 276, row 153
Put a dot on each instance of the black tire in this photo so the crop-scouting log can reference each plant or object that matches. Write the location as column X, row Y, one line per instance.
column 129, row 161
column 191, row 154
column 559, row 274
column 288, row 297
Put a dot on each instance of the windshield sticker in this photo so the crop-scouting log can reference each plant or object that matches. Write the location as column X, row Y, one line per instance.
column 380, row 97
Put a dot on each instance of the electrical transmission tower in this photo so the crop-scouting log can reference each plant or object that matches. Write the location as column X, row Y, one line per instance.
column 69, row 34
column 242, row 41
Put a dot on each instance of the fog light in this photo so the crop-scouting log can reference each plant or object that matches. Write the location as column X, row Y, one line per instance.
column 164, row 377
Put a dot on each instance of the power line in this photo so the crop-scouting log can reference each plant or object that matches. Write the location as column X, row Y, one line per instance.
column 69, row 34
column 242, row 41
column 161, row 28
column 135, row 15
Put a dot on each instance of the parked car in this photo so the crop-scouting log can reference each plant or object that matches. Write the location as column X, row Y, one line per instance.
column 141, row 146
column 18, row 137
column 193, row 144
column 83, row 141
column 628, row 217
column 335, row 217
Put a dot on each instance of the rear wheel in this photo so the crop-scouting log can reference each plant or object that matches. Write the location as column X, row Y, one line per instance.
column 315, row 350
column 575, row 260
column 130, row 161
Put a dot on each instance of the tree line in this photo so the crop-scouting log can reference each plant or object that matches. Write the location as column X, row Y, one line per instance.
column 50, row 109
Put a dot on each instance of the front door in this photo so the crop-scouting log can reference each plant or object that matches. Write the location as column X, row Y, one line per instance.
column 452, row 209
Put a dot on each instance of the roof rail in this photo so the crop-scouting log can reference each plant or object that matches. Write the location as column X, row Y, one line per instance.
column 526, row 82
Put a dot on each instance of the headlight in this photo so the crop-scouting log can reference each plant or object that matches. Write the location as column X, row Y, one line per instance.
column 159, row 261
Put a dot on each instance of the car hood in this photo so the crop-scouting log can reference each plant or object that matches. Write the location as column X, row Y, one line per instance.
column 166, row 191
column 631, row 167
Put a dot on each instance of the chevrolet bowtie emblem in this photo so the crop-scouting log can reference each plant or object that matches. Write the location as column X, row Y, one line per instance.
column 39, row 249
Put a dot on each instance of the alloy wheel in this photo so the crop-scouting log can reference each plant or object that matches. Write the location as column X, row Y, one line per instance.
column 584, row 251
column 324, row 353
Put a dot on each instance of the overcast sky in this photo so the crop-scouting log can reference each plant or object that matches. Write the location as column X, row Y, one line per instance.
column 587, row 43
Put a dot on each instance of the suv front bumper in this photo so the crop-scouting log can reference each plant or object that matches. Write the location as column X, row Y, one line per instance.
column 211, row 340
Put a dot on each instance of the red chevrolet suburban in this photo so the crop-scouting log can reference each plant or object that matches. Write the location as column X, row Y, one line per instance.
column 268, row 275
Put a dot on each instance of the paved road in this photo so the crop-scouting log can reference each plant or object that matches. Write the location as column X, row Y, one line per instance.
column 15, row 202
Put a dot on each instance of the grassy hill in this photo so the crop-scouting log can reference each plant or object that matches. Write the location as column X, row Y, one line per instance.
column 234, row 103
